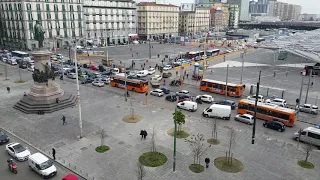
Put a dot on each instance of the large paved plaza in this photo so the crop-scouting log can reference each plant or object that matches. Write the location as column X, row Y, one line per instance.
column 273, row 156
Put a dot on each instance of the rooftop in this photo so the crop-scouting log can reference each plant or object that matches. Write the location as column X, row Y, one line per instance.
column 155, row 4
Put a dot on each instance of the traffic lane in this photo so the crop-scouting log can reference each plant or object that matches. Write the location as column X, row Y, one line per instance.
column 23, row 170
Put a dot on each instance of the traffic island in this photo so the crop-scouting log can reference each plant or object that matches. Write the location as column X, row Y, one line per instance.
column 196, row 168
column 213, row 141
column 132, row 118
column 20, row 81
column 305, row 164
column 231, row 166
column 153, row 159
column 102, row 149
column 180, row 134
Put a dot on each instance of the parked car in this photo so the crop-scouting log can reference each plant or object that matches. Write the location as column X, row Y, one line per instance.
column 182, row 93
column 72, row 75
column 245, row 118
column 106, row 79
column 165, row 90
column 184, row 97
column 253, row 98
column 3, row 138
column 151, row 71
column 277, row 101
column 98, row 83
column 205, row 98
column 42, row 165
column 86, row 80
column 276, row 125
column 218, row 111
column 157, row 92
column 308, row 135
column 17, row 151
column 188, row 105
column 70, row 177
column 142, row 73
column 167, row 67
column 227, row 102
column 171, row 98
column 166, row 74
column 308, row 108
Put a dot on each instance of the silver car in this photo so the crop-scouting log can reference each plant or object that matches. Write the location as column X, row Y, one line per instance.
column 308, row 108
column 245, row 118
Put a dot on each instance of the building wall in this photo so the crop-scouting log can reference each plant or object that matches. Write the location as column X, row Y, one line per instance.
column 234, row 16
column 193, row 22
column 157, row 20
column 60, row 21
column 217, row 21
column 243, row 7
column 225, row 10
column 110, row 21
column 202, row 19
column 284, row 11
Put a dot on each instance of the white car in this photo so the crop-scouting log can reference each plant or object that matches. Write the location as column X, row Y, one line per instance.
column 151, row 71
column 277, row 101
column 98, row 83
column 157, row 92
column 157, row 77
column 182, row 92
column 30, row 68
column 205, row 98
column 167, row 67
column 253, row 98
column 72, row 75
column 245, row 118
column 17, row 151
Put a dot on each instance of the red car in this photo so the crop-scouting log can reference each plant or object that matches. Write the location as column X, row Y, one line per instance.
column 184, row 98
column 70, row 177
column 94, row 67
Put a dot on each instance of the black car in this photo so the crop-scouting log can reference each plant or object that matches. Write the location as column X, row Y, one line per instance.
column 227, row 102
column 166, row 74
column 86, row 80
column 3, row 138
column 276, row 125
column 171, row 98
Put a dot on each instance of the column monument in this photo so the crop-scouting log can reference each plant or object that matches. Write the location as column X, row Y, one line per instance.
column 45, row 94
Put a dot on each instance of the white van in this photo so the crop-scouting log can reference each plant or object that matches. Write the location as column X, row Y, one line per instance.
column 277, row 101
column 188, row 105
column 42, row 165
column 309, row 135
column 218, row 110
column 143, row 73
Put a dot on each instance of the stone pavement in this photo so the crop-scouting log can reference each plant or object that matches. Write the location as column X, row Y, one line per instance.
column 267, row 159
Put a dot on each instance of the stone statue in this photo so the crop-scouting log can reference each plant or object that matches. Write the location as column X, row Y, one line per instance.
column 39, row 33
column 42, row 77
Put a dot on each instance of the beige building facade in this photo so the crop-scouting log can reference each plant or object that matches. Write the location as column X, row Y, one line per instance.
column 193, row 22
column 157, row 21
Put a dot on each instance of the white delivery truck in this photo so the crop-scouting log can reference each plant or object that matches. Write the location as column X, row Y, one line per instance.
column 218, row 111
column 188, row 105
column 309, row 135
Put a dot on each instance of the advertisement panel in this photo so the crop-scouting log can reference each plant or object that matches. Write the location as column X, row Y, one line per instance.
column 187, row 7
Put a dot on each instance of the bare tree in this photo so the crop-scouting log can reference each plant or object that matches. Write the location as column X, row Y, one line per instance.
column 131, row 107
column 103, row 134
column 198, row 147
column 153, row 141
column 308, row 148
column 214, row 128
column 232, row 143
column 140, row 171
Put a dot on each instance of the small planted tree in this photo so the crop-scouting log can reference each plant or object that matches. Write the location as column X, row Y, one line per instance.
column 214, row 132
column 140, row 171
column 153, row 141
column 231, row 144
column 198, row 147
column 179, row 118
column 102, row 148
column 308, row 148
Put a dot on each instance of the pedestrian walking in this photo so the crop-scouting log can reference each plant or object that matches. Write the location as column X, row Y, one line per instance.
column 164, row 82
column 145, row 134
column 25, row 94
column 187, row 76
column 207, row 160
column 63, row 120
column 8, row 89
column 141, row 134
column 54, row 154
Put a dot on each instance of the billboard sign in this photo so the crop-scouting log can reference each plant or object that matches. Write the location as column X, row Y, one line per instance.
column 187, row 7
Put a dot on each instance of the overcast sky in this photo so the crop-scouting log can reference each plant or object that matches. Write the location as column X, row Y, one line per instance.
column 308, row 6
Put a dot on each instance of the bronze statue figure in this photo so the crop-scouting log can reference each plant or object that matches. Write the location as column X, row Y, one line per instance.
column 39, row 33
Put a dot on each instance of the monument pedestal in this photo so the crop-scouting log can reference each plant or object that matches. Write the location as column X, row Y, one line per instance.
column 45, row 94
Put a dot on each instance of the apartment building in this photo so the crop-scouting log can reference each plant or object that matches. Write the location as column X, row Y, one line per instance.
column 217, row 21
column 109, row 22
column 157, row 21
column 284, row 11
column 234, row 16
column 193, row 22
column 61, row 20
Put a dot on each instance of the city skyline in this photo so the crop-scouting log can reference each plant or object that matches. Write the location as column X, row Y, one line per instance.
column 308, row 6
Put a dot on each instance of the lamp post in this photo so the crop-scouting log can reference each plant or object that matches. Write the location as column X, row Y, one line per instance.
column 241, row 55
column 174, row 141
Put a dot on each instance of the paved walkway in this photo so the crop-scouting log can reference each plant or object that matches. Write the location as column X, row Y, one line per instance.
column 267, row 159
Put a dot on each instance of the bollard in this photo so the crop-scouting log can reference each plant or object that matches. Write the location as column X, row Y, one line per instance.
column 69, row 164
column 92, row 178
column 282, row 94
column 87, row 174
column 251, row 89
column 75, row 167
column 63, row 161
column 267, row 91
column 274, row 74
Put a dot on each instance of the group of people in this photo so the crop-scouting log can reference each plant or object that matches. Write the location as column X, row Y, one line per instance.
column 143, row 134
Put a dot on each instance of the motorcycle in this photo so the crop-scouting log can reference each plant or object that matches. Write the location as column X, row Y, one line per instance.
column 12, row 166
column 198, row 100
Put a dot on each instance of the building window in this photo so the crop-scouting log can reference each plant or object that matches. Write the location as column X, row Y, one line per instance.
column 38, row 7
column 63, row 8
column 71, row 8
column 79, row 8
column 48, row 7
column 30, row 16
column 28, row 6
column 56, row 8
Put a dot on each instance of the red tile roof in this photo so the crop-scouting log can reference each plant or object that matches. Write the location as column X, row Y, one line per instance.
column 155, row 4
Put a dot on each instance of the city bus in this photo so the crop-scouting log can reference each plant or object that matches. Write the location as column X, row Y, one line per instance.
column 268, row 112
column 136, row 85
column 192, row 55
column 20, row 55
column 212, row 52
column 219, row 87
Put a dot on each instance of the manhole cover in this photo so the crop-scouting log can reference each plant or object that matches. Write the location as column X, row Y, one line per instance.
column 59, row 144
column 121, row 142
column 84, row 148
column 128, row 146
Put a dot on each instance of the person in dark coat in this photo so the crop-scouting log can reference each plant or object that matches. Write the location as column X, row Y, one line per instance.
column 8, row 89
column 63, row 120
column 141, row 134
column 145, row 134
column 207, row 161
column 54, row 154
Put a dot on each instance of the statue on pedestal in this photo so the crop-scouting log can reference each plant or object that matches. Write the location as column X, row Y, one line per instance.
column 42, row 77
column 39, row 33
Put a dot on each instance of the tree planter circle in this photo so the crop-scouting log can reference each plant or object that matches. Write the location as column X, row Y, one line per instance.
column 181, row 135
column 213, row 141
column 131, row 118
column 102, row 149
column 196, row 168
column 222, row 164
column 153, row 159
column 307, row 165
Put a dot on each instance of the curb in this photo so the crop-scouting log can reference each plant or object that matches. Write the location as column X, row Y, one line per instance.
column 29, row 144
